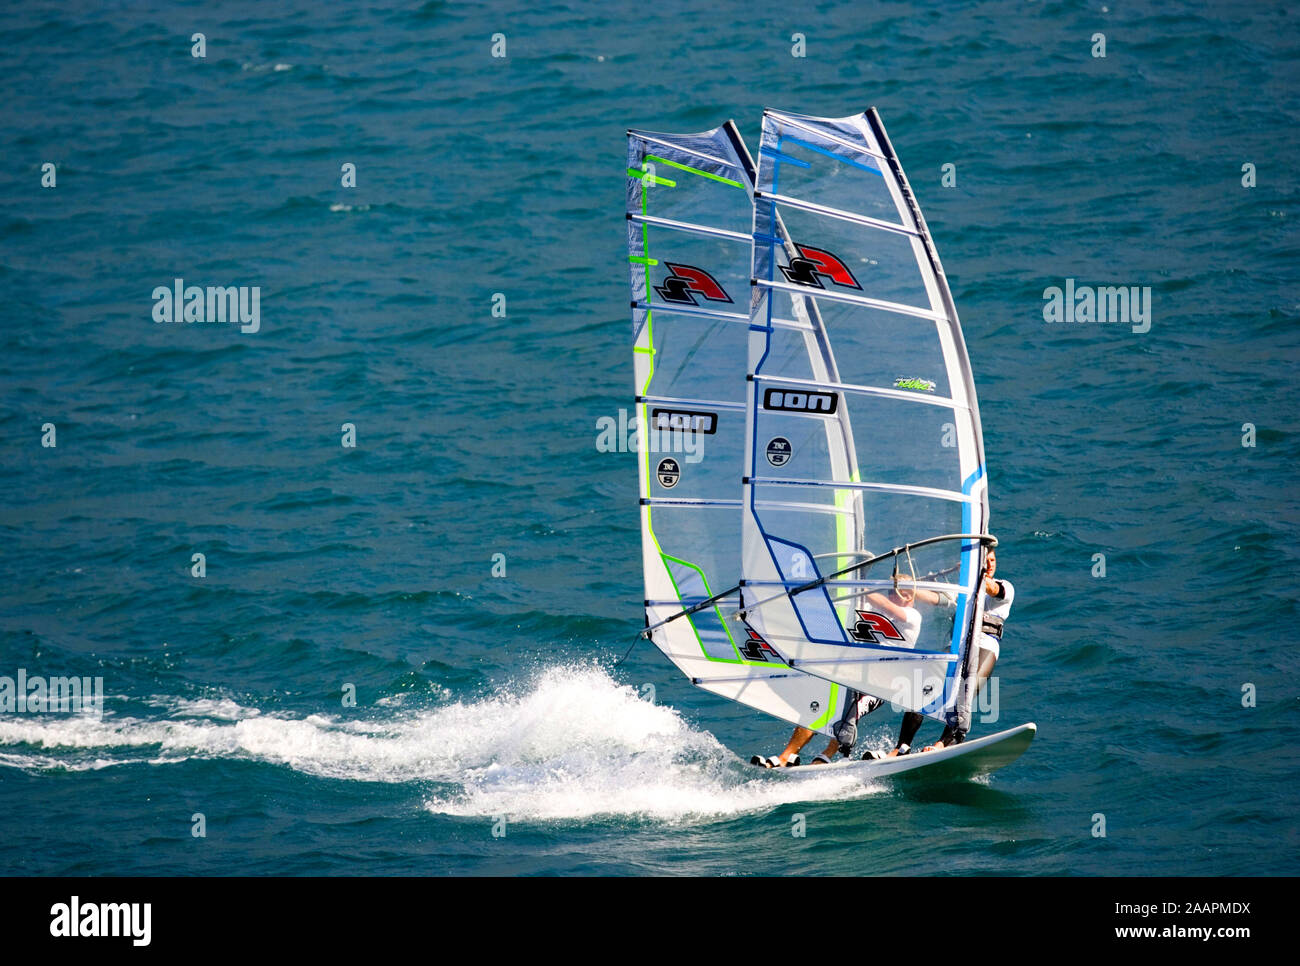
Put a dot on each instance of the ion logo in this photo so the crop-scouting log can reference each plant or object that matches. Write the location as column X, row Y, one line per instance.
column 778, row 451
column 684, row 420
column 800, row 402
column 874, row 629
column 686, row 279
column 669, row 473
column 816, row 262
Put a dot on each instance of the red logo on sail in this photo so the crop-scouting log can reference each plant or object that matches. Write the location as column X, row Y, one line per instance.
column 815, row 263
column 757, row 649
column 687, row 279
column 874, row 629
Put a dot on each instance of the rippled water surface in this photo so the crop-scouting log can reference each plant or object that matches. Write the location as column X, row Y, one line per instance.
column 484, row 700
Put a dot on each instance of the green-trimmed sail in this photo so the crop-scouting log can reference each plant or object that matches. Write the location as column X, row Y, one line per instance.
column 690, row 213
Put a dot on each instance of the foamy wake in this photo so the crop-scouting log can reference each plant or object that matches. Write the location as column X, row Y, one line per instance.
column 570, row 744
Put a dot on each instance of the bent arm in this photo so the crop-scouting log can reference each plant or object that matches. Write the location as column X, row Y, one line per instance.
column 888, row 606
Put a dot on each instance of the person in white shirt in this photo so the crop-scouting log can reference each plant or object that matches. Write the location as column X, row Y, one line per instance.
column 998, row 595
column 899, row 607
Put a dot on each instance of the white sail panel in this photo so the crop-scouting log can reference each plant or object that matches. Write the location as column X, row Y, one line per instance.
column 863, row 426
column 690, row 215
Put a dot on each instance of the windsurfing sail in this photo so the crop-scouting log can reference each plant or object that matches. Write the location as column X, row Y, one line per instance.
column 863, row 430
column 689, row 221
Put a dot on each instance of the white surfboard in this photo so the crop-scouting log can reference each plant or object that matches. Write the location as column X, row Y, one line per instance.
column 979, row 756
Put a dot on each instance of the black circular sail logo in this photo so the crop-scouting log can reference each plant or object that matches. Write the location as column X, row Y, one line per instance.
column 669, row 473
column 778, row 451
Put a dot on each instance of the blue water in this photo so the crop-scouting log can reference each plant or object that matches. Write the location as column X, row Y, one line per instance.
column 489, row 702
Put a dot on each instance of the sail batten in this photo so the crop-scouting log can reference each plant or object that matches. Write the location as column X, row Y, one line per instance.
column 943, row 401
column 687, row 226
column 839, row 213
column 692, row 401
column 699, row 312
column 851, row 299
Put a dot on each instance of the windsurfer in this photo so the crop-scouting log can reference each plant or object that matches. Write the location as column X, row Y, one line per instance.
column 998, row 595
column 898, row 609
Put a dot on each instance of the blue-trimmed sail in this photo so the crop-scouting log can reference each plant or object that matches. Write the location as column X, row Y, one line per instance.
column 863, row 430
column 690, row 213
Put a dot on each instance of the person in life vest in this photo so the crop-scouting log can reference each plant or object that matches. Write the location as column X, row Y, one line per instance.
column 899, row 607
column 998, row 595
